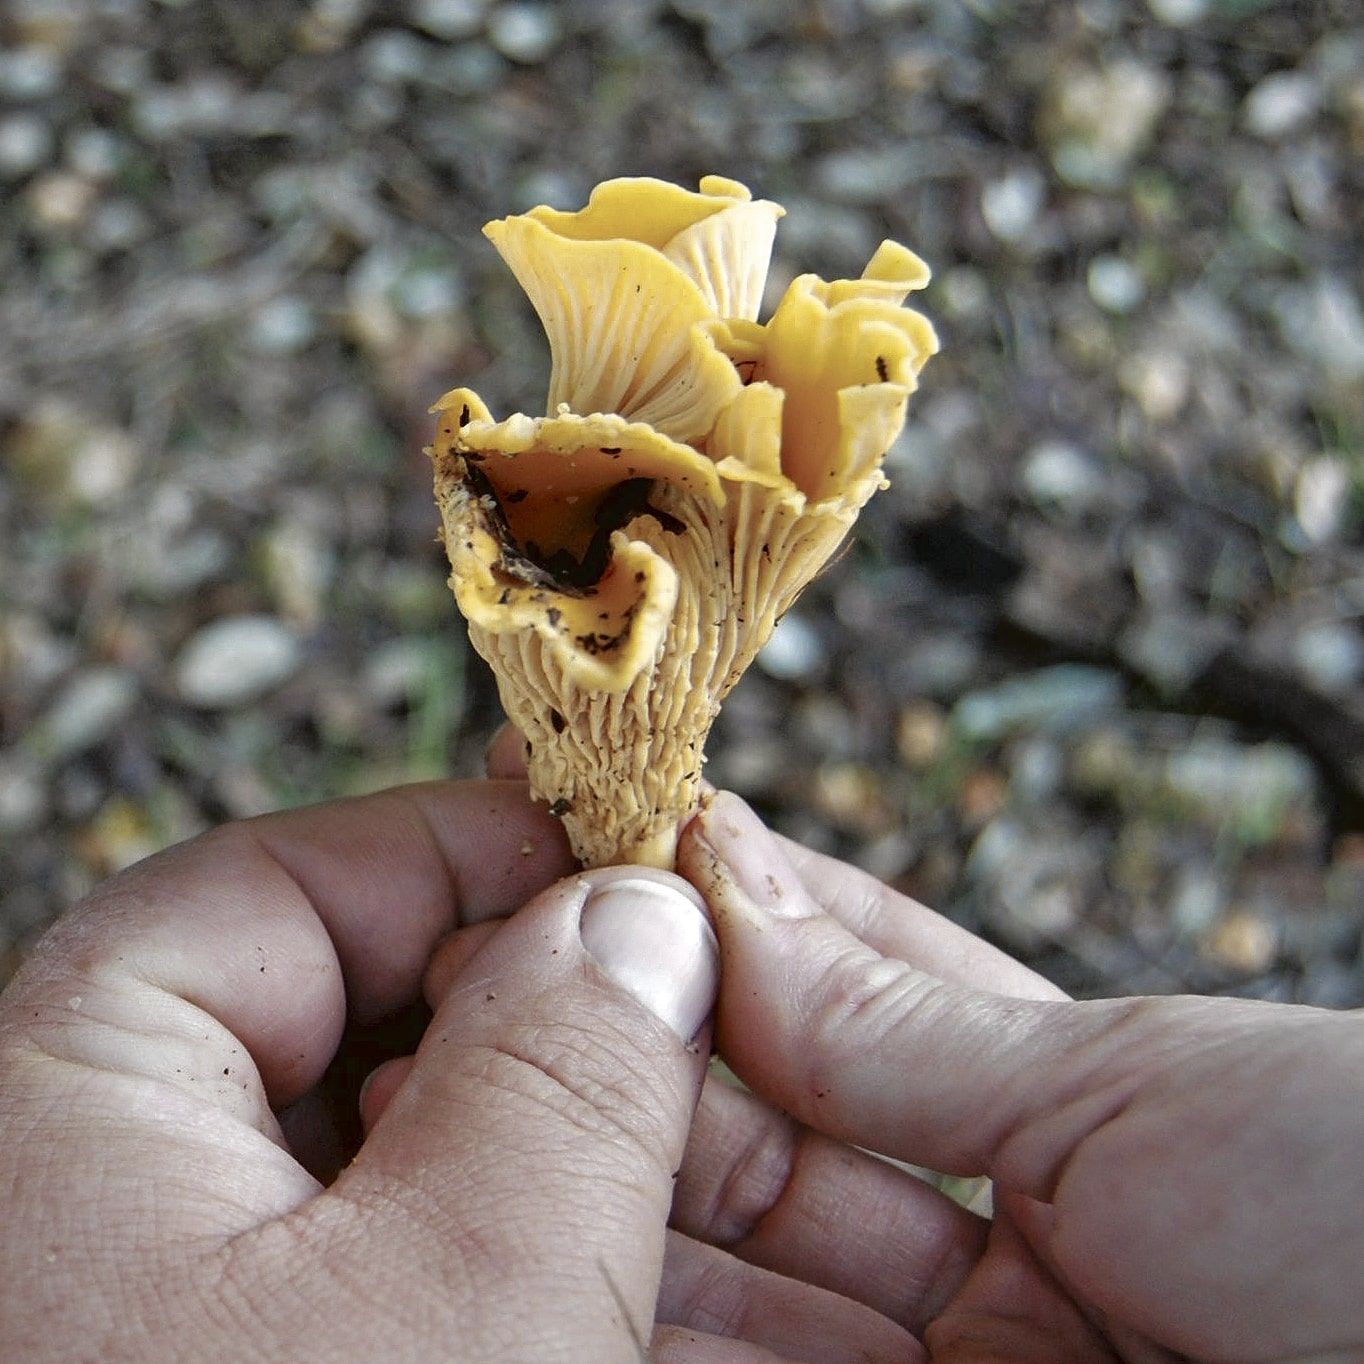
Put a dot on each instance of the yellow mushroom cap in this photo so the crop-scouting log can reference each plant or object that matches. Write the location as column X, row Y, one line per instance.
column 621, row 559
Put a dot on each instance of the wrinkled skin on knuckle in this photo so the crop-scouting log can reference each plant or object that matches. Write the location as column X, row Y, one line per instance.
column 713, row 1300
column 862, row 1004
column 756, row 1183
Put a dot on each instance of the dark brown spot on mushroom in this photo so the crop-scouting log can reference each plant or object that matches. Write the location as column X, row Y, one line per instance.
column 561, row 807
column 881, row 371
column 557, row 722
column 559, row 568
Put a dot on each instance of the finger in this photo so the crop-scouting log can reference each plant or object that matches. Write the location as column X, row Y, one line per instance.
column 541, row 1124
column 252, row 921
column 506, row 754
column 896, row 926
column 211, row 982
column 1012, row 1308
column 452, row 955
column 706, row 1288
column 776, row 1194
column 381, row 1084
column 684, row 1345
column 871, row 1050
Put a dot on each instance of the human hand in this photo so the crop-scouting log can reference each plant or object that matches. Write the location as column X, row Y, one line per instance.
column 1173, row 1178
column 162, row 1055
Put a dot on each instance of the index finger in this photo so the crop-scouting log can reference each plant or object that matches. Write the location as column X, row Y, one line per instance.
column 897, row 926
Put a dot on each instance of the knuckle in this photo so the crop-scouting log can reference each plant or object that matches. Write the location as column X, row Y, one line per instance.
column 864, row 1001
column 755, row 1182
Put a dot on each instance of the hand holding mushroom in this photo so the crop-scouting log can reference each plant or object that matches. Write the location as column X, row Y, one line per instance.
column 623, row 558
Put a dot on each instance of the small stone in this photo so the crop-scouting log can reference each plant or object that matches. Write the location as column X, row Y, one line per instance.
column 117, row 225
column 283, row 326
column 120, row 834
column 1051, row 699
column 1158, row 380
column 23, row 794
column 122, row 68
column 329, row 24
column 471, row 68
column 1322, row 498
column 1340, row 322
column 411, row 596
column 963, row 293
column 1178, row 13
column 1096, row 121
column 556, row 188
column 1115, row 284
column 1010, row 205
column 449, row 19
column 394, row 56
column 202, row 105
column 1050, row 912
column 525, row 33
column 939, row 665
column 849, row 796
column 31, row 656
column 1281, row 104
column 982, row 795
column 1037, row 769
column 427, row 291
column 68, row 461
column 1196, row 900
column 822, row 725
column 25, row 145
column 921, row 735
column 1060, row 474
column 1333, row 985
column 168, row 563
column 87, row 711
column 94, row 153
column 60, row 200
column 396, row 671
column 862, row 176
column 752, row 769
column 1002, row 843
column 795, row 652
column 1253, row 792
column 236, row 660
column 1030, row 882
column 29, row 72
column 1171, row 646
column 1244, row 941
column 1330, row 656
column 298, row 564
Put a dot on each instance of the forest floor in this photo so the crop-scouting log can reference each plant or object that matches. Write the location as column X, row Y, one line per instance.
column 1091, row 676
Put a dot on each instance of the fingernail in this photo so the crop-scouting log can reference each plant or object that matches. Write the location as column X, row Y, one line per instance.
column 654, row 941
column 754, row 857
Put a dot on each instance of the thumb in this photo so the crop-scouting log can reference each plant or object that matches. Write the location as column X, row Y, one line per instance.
column 868, row 1048
column 529, row 1155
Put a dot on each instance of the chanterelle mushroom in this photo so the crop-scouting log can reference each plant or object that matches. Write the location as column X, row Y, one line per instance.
column 622, row 559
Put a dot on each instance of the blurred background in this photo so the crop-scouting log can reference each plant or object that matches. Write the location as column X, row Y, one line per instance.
column 1091, row 675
